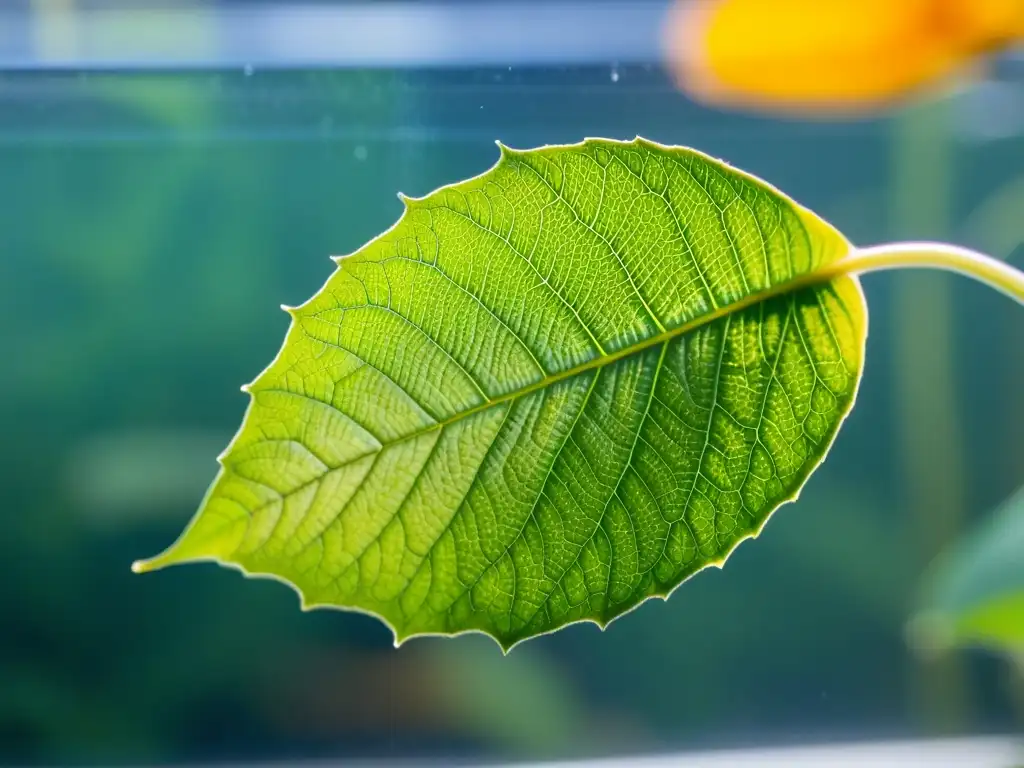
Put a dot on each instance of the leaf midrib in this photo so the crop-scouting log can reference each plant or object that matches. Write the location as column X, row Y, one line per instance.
column 823, row 274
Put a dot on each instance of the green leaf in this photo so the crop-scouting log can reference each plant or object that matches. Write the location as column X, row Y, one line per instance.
column 973, row 595
column 545, row 395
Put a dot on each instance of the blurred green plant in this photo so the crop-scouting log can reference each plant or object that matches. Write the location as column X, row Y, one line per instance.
column 973, row 594
column 550, row 393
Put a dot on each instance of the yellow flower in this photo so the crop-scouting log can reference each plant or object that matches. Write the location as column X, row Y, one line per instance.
column 831, row 55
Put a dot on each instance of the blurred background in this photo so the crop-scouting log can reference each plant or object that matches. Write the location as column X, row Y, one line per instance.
column 172, row 173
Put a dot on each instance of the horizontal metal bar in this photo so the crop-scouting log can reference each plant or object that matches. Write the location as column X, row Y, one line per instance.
column 981, row 752
column 279, row 34
column 948, row 753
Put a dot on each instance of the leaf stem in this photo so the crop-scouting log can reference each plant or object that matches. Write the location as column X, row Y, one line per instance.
column 992, row 272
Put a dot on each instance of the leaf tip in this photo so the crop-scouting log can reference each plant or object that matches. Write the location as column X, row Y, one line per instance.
column 147, row 566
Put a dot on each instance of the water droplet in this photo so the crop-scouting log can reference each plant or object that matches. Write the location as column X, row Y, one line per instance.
column 248, row 70
column 615, row 74
column 360, row 152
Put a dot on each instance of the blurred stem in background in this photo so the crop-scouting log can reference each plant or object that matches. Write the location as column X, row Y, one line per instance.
column 54, row 27
column 1013, row 431
column 996, row 227
column 926, row 420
